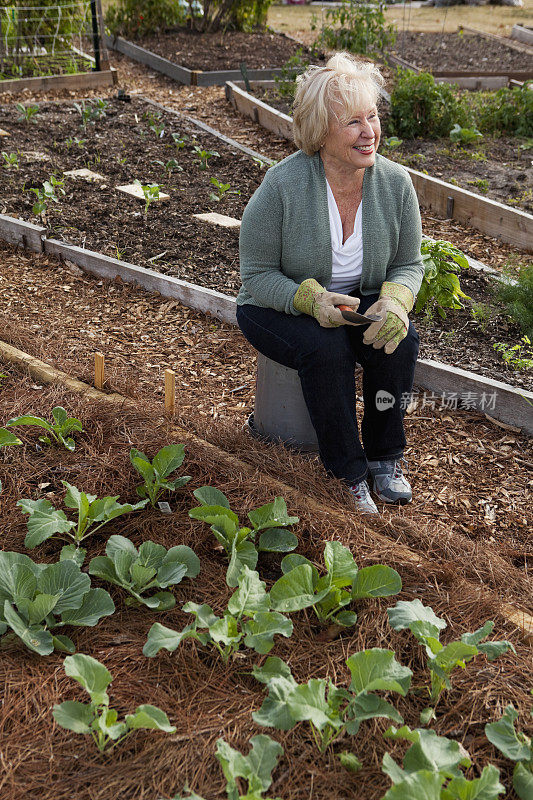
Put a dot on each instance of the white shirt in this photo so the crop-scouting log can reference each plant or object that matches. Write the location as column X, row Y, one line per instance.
column 347, row 258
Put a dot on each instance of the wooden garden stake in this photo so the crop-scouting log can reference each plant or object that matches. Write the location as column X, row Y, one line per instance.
column 170, row 390
column 99, row 370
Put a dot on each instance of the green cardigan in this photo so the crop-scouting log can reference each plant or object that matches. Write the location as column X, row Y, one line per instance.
column 285, row 235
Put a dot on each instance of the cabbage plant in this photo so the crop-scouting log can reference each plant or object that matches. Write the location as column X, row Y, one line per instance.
column 247, row 620
column 95, row 718
column 57, row 431
column 270, row 521
column 329, row 709
column 152, row 566
column 301, row 586
column 516, row 746
column 38, row 599
column 156, row 472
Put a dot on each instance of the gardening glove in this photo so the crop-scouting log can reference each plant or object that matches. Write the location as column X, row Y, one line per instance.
column 394, row 304
column 311, row 298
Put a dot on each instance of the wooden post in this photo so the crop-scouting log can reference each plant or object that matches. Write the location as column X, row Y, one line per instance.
column 99, row 370
column 170, row 390
column 104, row 57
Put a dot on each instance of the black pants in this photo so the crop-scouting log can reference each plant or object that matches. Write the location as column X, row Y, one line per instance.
column 325, row 359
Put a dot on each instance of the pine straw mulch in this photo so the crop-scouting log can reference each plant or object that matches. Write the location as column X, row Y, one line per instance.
column 474, row 476
column 203, row 698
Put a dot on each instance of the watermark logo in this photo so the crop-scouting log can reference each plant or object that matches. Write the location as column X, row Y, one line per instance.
column 467, row 401
column 384, row 400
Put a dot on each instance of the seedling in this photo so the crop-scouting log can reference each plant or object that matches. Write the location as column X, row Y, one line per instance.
column 169, row 166
column 247, row 620
column 71, row 141
column 36, row 599
column 482, row 314
column 48, row 191
column 256, row 768
column 515, row 355
column 151, row 193
column 94, row 110
column 239, row 543
column 392, row 142
column 481, row 184
column 96, row 719
column 440, row 285
column 57, row 431
column 159, row 130
column 301, row 587
column 46, row 521
column 179, row 140
column 429, row 763
column 204, row 155
column 465, row 135
column 27, row 113
column 149, row 567
column 222, row 190
column 443, row 659
column 11, row 159
column 331, row 710
column 155, row 472
column 517, row 747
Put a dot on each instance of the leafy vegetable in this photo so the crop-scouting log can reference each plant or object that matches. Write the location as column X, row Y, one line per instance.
column 46, row 521
column 461, row 135
column 443, row 659
column 57, row 431
column 429, row 763
column 329, row 709
column 155, row 472
column 256, row 768
column 301, row 587
column 36, row 599
column 440, row 285
column 96, row 719
column 247, row 619
column 239, row 543
column 149, row 567
column 515, row 746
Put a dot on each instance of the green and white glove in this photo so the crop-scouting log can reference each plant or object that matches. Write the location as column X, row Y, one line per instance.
column 394, row 304
column 311, row 298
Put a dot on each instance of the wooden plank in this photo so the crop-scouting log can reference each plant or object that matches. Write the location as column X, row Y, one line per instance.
column 99, row 370
column 218, row 219
column 265, row 115
column 155, row 62
column 170, row 391
column 219, row 77
column 519, row 75
column 25, row 234
column 500, row 400
column 205, row 300
column 522, row 34
column 475, row 82
column 82, row 80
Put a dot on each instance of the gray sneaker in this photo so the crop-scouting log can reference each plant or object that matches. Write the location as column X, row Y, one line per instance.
column 361, row 494
column 390, row 484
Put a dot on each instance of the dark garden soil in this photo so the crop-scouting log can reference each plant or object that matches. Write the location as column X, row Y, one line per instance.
column 456, row 51
column 202, row 698
column 221, row 51
column 500, row 168
column 121, row 147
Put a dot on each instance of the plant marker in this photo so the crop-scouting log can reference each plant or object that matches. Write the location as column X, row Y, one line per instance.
column 99, row 370
column 170, row 390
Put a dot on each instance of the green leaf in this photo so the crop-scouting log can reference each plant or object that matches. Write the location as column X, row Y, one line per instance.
column 296, row 560
column 271, row 515
column 453, row 655
column 168, row 459
column 275, row 712
column 160, row 601
column 120, row 544
column 66, row 580
column 435, row 753
column 27, row 419
column 243, row 555
column 147, row 716
column 350, row 761
column 209, row 496
column 502, row 734
column 181, row 554
column 523, row 781
column 256, row 767
column 369, row 706
column 345, row 618
column 160, row 637
column 423, row 785
column 72, row 553
column 273, row 667
column 8, row 438
column 63, row 644
column 211, row 514
column 171, row 574
column 74, row 716
column 405, row 613
column 481, row 633
column 378, row 670
column 295, row 590
column 250, row 597
column 33, row 636
column 93, row 676
column 151, row 555
column 340, row 564
column 39, row 608
column 18, row 576
column 143, row 466
column 45, row 521
column 225, row 631
column 78, row 500
column 308, row 702
column 494, row 650
column 102, row 567
column 426, row 715
column 260, row 631
column 59, row 414
column 97, row 603
column 205, row 617
column 141, row 576
column 277, row 540
column 376, row 581
column 486, row 787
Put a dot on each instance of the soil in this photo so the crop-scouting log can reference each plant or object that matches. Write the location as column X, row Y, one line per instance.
column 96, row 216
column 453, row 51
column 204, row 699
column 221, row 51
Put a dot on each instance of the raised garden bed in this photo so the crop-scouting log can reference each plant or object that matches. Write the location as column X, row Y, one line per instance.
column 203, row 698
column 170, row 240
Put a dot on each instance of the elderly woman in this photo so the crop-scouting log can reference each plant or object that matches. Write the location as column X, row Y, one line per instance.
column 336, row 224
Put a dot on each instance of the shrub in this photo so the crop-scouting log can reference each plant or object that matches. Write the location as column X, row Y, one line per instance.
column 518, row 299
column 357, row 28
column 138, row 17
column 421, row 107
column 508, row 111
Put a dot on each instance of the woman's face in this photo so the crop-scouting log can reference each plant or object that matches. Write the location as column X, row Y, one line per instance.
column 352, row 145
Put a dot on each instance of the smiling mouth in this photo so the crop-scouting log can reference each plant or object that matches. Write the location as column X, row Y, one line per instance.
column 365, row 150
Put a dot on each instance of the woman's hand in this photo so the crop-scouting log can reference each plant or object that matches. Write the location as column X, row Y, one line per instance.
column 311, row 298
column 394, row 304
